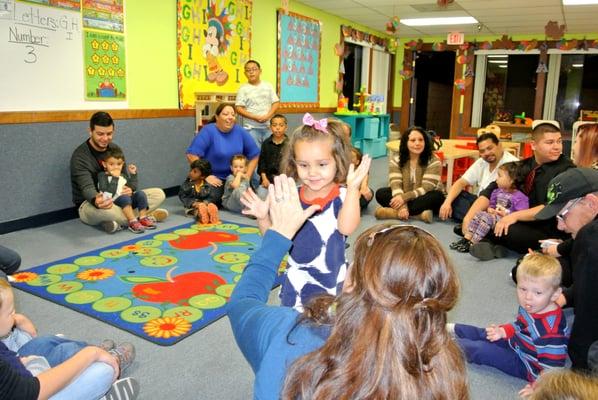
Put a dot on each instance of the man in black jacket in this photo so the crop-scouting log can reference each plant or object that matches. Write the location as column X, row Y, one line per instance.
column 86, row 164
column 573, row 199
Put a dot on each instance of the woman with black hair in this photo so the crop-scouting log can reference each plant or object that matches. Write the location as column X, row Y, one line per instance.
column 414, row 173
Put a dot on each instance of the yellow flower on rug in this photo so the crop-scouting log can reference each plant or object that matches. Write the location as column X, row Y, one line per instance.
column 95, row 274
column 167, row 327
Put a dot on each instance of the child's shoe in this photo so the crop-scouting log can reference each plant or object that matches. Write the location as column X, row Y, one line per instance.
column 107, row 344
column 136, row 227
column 125, row 355
column 191, row 212
column 159, row 214
column 147, row 223
column 213, row 213
column 386, row 213
column 202, row 214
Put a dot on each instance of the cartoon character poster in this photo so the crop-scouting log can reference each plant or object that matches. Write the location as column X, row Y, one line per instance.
column 105, row 68
column 214, row 38
column 298, row 60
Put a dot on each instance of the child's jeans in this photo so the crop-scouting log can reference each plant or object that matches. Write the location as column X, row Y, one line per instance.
column 92, row 383
column 16, row 340
column 479, row 350
column 138, row 200
column 481, row 224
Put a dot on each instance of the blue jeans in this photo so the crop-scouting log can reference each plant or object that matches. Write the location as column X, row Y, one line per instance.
column 92, row 383
column 9, row 260
column 138, row 200
column 479, row 350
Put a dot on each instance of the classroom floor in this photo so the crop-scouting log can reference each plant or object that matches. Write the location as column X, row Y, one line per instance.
column 208, row 364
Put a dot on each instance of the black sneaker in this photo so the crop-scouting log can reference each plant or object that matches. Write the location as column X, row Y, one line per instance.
column 464, row 247
column 458, row 230
column 458, row 243
column 483, row 251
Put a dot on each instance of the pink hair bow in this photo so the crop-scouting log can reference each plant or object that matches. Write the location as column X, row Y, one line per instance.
column 320, row 125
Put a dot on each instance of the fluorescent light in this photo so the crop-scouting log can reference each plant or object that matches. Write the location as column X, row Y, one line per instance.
column 502, row 66
column 497, row 56
column 498, row 61
column 438, row 21
column 579, row 2
column 577, row 65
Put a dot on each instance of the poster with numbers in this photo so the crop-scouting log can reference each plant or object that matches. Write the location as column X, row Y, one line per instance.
column 298, row 60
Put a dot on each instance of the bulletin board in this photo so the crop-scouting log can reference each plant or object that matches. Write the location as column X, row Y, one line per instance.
column 43, row 66
column 213, row 44
column 299, row 41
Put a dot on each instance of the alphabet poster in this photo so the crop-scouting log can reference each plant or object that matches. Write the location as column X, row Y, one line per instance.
column 299, row 40
column 213, row 43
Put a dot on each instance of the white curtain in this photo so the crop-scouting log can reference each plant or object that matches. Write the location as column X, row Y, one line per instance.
column 380, row 75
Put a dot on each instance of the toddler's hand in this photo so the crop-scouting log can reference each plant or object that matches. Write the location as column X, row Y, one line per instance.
column 254, row 205
column 356, row 175
column 527, row 390
column 494, row 333
column 132, row 169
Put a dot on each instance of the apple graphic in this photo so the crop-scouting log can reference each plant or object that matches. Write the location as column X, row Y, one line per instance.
column 178, row 289
column 202, row 239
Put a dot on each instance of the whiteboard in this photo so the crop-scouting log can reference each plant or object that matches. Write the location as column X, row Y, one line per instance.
column 41, row 59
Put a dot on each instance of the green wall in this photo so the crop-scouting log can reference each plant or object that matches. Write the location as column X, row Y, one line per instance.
column 151, row 49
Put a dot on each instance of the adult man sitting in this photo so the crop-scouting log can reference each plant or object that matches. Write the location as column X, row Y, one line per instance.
column 519, row 231
column 86, row 164
column 480, row 174
column 573, row 200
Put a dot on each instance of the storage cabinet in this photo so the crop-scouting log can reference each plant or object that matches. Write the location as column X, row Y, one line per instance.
column 369, row 133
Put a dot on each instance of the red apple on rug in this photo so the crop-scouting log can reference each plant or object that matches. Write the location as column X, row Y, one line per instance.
column 178, row 289
column 201, row 239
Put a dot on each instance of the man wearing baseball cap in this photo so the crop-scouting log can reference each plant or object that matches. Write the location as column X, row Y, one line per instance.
column 573, row 199
column 518, row 230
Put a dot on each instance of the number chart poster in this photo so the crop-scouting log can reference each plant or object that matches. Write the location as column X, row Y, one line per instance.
column 105, row 70
column 213, row 43
column 298, row 60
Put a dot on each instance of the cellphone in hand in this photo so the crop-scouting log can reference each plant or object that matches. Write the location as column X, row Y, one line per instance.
column 106, row 195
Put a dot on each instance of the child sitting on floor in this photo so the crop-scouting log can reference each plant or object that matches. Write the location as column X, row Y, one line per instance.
column 537, row 340
column 199, row 197
column 365, row 193
column 236, row 184
column 51, row 365
column 505, row 199
column 111, row 183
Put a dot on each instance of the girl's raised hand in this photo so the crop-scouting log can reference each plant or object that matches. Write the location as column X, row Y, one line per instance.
column 356, row 175
column 254, row 205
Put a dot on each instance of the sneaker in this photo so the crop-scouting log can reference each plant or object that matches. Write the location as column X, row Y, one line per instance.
column 427, row 216
column 191, row 212
column 386, row 213
column 485, row 251
column 202, row 214
column 213, row 213
column 123, row 389
column 136, row 227
column 464, row 246
column 159, row 214
column 107, row 344
column 458, row 243
column 125, row 354
column 110, row 226
column 147, row 223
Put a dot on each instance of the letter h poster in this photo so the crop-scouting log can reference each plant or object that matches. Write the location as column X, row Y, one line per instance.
column 213, row 43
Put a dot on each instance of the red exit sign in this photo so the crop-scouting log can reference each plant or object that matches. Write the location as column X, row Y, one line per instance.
column 455, row 38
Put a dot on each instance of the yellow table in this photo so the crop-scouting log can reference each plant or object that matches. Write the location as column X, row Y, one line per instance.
column 451, row 153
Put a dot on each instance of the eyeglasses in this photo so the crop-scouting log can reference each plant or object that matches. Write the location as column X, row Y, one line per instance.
column 565, row 210
column 372, row 236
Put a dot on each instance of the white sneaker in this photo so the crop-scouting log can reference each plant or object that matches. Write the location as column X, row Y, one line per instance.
column 159, row 214
column 123, row 389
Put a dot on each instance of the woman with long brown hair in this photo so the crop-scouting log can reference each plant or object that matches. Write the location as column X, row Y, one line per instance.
column 383, row 337
column 585, row 147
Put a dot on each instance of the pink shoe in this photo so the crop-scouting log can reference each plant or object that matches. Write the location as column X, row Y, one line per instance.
column 147, row 223
column 136, row 227
column 213, row 213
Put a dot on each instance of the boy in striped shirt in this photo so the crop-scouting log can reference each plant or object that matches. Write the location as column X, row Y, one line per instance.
column 537, row 340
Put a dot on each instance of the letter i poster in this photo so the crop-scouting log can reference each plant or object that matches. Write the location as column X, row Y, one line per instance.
column 213, row 43
column 299, row 40
column 104, row 50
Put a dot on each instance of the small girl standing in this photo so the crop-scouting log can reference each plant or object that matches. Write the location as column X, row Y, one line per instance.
column 505, row 199
column 318, row 155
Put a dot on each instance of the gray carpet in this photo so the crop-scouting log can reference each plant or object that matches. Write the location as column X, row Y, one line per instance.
column 208, row 365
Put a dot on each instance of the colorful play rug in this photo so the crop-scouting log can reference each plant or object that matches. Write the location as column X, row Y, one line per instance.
column 162, row 287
